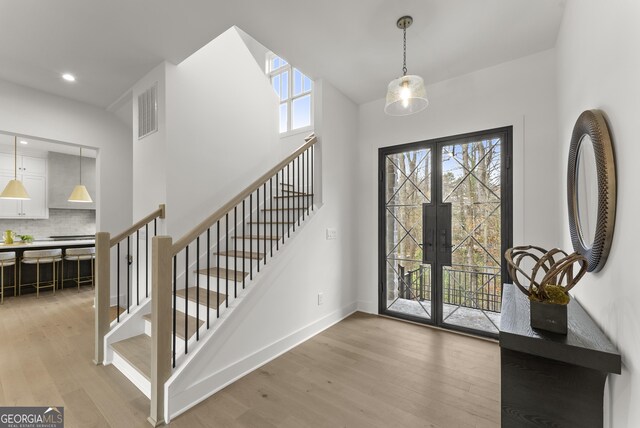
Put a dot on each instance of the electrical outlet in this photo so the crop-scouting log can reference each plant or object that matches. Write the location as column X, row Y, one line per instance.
column 320, row 299
column 332, row 234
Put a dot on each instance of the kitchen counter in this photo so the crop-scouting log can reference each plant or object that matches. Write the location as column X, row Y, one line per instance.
column 46, row 244
column 28, row 275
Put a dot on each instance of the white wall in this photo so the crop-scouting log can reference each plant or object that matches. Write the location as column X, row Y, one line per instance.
column 599, row 68
column 286, row 309
column 222, row 129
column 32, row 113
column 150, row 153
column 520, row 93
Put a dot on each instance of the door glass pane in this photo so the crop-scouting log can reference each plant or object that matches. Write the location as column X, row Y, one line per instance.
column 471, row 183
column 407, row 187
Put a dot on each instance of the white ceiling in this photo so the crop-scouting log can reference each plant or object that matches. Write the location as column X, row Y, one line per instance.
column 354, row 44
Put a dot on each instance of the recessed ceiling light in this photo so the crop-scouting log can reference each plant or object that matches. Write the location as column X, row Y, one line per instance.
column 69, row 77
column 24, row 142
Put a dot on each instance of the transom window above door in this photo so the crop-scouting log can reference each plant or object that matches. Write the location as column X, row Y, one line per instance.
column 295, row 91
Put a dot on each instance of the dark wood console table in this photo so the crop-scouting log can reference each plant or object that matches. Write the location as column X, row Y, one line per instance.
column 551, row 380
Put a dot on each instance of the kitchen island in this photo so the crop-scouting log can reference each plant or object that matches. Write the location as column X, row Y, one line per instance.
column 29, row 271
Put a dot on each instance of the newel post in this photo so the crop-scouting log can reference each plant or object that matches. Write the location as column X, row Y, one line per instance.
column 160, row 325
column 102, row 292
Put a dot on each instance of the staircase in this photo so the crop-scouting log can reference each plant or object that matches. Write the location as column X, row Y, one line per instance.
column 198, row 281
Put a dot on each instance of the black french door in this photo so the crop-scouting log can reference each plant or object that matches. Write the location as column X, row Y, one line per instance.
column 445, row 221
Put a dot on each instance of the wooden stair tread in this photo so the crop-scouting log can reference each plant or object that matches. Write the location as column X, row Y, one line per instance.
column 295, row 192
column 223, row 273
column 136, row 351
column 203, row 296
column 180, row 321
column 284, row 209
column 271, row 222
column 259, row 237
column 242, row 254
column 297, row 195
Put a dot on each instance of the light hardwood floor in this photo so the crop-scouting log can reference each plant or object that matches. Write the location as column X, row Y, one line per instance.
column 366, row 371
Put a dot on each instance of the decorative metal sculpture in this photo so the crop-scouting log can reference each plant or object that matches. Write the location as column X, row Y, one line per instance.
column 557, row 274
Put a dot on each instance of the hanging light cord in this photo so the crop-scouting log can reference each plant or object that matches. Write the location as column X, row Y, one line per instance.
column 404, row 58
column 15, row 158
column 81, row 165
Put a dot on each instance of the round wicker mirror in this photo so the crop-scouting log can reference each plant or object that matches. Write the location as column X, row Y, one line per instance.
column 591, row 189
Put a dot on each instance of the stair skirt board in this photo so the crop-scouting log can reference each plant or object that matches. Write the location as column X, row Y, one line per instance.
column 181, row 402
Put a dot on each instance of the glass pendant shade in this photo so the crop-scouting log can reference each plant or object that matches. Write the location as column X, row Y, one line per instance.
column 15, row 190
column 80, row 194
column 406, row 95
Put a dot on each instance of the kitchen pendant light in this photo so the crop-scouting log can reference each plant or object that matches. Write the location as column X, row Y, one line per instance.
column 405, row 95
column 80, row 193
column 15, row 189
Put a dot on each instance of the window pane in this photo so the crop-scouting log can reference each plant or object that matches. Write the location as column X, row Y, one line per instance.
column 301, row 112
column 297, row 82
column 283, row 117
column 284, row 88
column 306, row 85
column 275, row 82
column 277, row 62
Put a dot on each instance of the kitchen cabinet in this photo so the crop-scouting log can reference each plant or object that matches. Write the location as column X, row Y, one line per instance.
column 64, row 174
column 25, row 165
column 6, row 163
column 33, row 174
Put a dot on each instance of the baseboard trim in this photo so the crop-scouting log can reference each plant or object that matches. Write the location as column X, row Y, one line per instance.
column 228, row 375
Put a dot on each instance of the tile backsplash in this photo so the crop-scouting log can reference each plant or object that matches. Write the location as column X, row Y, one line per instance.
column 60, row 222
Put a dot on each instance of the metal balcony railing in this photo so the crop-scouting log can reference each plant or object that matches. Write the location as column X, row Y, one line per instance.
column 475, row 287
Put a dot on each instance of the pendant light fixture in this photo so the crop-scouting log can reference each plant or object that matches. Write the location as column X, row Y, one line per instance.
column 80, row 193
column 405, row 95
column 15, row 189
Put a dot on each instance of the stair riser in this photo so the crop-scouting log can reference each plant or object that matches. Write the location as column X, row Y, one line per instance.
column 268, row 216
column 223, row 285
column 231, row 260
column 253, row 244
column 265, row 229
column 179, row 341
column 288, row 202
column 192, row 306
column 139, row 380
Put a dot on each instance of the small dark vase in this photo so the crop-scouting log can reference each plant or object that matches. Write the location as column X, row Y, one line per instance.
column 549, row 317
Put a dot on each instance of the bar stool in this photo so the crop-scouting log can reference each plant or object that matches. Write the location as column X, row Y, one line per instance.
column 38, row 258
column 7, row 259
column 78, row 255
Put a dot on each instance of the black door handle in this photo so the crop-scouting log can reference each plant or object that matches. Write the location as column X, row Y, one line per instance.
column 430, row 239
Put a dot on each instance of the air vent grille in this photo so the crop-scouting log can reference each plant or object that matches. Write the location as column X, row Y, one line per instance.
column 148, row 112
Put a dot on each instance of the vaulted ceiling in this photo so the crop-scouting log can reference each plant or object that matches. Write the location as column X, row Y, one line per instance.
column 354, row 44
